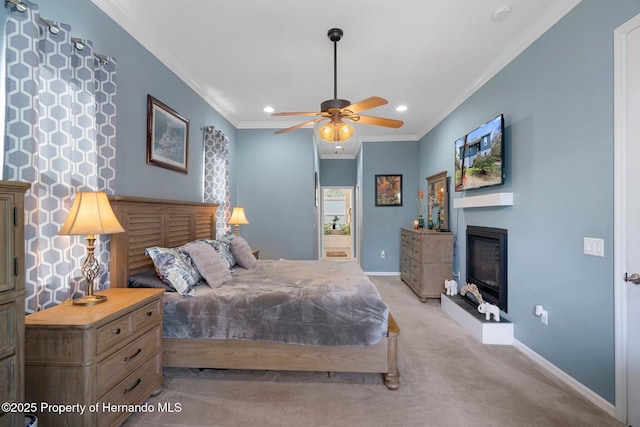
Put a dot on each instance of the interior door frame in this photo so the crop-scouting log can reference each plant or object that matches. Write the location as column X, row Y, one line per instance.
column 620, row 214
column 354, row 222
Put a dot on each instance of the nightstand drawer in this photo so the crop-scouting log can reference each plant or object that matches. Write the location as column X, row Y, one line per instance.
column 114, row 332
column 123, row 362
column 8, row 380
column 147, row 315
column 132, row 389
column 8, row 322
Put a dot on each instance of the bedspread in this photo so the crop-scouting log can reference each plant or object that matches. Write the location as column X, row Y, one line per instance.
column 299, row 302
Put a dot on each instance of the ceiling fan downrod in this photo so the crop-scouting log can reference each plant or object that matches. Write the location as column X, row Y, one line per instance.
column 335, row 34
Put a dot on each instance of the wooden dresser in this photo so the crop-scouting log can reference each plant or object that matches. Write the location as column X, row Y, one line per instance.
column 105, row 354
column 426, row 260
column 12, row 295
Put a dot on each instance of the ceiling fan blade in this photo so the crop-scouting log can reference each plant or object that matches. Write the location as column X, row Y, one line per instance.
column 296, row 114
column 300, row 125
column 376, row 121
column 366, row 104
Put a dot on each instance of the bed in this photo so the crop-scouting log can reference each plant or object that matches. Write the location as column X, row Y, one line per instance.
column 165, row 223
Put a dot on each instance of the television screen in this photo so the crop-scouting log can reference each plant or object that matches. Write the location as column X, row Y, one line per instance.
column 479, row 155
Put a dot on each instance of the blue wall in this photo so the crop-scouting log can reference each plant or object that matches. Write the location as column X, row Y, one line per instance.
column 381, row 224
column 275, row 182
column 338, row 172
column 557, row 97
column 139, row 74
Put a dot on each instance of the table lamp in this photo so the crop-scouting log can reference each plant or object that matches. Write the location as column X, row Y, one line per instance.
column 90, row 214
column 238, row 217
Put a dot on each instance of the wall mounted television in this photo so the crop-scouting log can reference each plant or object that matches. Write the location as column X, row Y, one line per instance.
column 479, row 156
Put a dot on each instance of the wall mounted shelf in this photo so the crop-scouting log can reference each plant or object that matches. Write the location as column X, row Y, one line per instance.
column 495, row 199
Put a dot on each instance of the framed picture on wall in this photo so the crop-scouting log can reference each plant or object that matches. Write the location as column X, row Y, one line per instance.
column 388, row 190
column 167, row 137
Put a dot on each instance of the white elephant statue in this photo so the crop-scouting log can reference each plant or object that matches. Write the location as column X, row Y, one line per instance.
column 488, row 310
column 451, row 286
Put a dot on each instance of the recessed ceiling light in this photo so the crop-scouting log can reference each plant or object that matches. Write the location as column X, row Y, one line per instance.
column 268, row 109
column 401, row 108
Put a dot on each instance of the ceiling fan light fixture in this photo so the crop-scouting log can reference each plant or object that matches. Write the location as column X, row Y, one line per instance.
column 336, row 131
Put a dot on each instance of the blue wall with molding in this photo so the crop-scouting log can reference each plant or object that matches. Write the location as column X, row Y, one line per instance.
column 557, row 98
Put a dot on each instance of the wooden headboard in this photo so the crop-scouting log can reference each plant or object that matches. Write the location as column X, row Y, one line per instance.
column 154, row 222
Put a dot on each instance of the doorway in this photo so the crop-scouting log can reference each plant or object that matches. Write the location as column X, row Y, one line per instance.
column 337, row 223
column 627, row 222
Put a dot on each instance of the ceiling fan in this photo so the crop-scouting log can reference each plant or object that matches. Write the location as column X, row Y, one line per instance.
column 335, row 110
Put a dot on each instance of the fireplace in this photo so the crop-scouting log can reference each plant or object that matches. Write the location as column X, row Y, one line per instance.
column 487, row 263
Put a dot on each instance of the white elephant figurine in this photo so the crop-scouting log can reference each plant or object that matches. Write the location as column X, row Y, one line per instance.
column 451, row 286
column 488, row 310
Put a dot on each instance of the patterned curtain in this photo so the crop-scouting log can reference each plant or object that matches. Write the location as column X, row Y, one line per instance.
column 60, row 137
column 217, row 175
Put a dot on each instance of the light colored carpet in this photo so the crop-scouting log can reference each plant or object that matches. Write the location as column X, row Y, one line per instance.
column 447, row 379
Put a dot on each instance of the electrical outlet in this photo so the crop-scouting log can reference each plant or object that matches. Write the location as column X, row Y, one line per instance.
column 382, row 255
column 542, row 314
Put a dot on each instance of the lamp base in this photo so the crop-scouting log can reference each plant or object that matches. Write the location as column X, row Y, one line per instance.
column 90, row 300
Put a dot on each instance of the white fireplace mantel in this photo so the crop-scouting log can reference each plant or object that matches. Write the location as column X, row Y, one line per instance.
column 494, row 199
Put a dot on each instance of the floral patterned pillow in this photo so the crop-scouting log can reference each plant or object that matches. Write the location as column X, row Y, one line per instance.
column 223, row 250
column 173, row 268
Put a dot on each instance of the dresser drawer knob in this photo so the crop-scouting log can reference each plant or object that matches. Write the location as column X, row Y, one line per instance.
column 149, row 313
column 128, row 358
column 117, row 331
column 129, row 390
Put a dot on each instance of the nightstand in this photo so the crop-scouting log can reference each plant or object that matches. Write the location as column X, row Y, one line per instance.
column 109, row 353
column 255, row 252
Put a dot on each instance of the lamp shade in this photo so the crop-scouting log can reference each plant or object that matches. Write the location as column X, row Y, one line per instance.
column 91, row 213
column 238, row 216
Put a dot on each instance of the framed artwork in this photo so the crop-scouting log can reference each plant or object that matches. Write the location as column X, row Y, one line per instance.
column 388, row 190
column 167, row 137
column 438, row 199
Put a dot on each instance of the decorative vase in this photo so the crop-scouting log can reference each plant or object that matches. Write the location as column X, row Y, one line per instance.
column 420, row 221
column 440, row 221
column 430, row 223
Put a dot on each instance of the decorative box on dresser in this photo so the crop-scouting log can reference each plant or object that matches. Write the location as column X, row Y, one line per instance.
column 12, row 295
column 426, row 260
column 108, row 355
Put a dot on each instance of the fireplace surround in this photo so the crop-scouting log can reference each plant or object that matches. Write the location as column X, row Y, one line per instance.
column 487, row 263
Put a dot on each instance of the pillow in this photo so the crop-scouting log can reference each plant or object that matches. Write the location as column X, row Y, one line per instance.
column 222, row 249
column 173, row 269
column 242, row 253
column 193, row 270
column 148, row 279
column 210, row 265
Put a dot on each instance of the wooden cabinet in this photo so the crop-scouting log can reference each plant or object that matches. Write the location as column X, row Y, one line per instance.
column 426, row 260
column 108, row 355
column 12, row 295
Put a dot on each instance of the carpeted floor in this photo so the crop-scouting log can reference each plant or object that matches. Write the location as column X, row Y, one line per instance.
column 447, row 379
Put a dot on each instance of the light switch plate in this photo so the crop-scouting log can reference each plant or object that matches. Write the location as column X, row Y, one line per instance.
column 593, row 246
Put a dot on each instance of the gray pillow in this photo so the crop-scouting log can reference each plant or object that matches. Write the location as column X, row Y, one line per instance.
column 210, row 265
column 242, row 253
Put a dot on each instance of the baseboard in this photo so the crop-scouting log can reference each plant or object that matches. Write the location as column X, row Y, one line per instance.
column 382, row 273
column 583, row 390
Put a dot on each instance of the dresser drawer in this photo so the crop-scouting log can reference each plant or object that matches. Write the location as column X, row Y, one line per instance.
column 114, row 332
column 414, row 266
column 123, row 362
column 8, row 322
column 133, row 389
column 147, row 315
